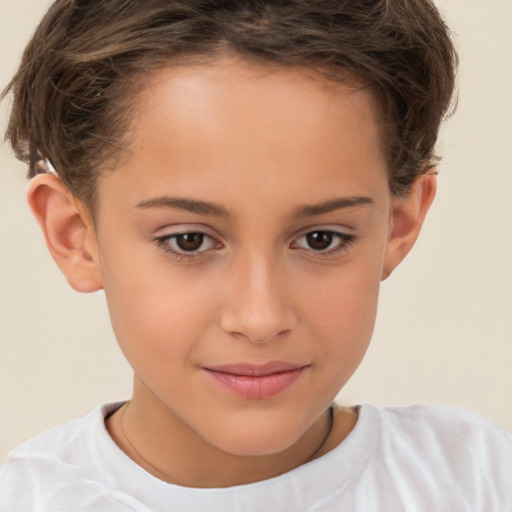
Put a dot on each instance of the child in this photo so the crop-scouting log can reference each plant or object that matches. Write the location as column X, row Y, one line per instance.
column 238, row 177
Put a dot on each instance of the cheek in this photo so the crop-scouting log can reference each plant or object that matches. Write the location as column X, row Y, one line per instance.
column 157, row 315
column 342, row 311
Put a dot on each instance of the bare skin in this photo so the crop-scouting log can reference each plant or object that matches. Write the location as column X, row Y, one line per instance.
column 238, row 470
column 247, row 234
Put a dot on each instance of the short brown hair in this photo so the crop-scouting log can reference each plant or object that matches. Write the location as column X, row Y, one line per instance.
column 77, row 75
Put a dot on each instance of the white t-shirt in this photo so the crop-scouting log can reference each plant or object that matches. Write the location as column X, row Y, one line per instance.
column 417, row 458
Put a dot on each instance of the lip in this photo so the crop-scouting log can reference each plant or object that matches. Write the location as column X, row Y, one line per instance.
column 256, row 382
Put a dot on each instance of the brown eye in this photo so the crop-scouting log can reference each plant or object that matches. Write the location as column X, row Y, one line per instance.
column 324, row 241
column 188, row 244
column 189, row 241
column 320, row 240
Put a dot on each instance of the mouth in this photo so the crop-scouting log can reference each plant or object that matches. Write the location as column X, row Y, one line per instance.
column 256, row 382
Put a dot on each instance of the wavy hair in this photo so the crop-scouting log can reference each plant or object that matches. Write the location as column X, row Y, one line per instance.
column 73, row 92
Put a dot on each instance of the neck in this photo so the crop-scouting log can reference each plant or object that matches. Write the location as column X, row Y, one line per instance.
column 165, row 447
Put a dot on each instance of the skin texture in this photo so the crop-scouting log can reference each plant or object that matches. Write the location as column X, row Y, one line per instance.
column 275, row 154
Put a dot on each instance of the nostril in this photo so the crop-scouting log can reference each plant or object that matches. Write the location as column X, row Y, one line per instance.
column 258, row 329
column 257, row 305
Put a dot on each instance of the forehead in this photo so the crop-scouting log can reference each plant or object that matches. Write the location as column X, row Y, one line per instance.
column 233, row 122
column 271, row 93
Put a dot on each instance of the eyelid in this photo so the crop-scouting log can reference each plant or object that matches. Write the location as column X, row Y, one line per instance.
column 346, row 237
column 164, row 235
column 334, row 228
column 180, row 229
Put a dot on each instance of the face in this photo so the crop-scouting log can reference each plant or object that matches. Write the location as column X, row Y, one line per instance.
column 241, row 247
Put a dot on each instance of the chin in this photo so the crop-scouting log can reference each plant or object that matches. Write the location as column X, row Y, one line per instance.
column 255, row 442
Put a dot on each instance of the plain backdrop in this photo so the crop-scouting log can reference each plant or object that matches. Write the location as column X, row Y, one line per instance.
column 444, row 328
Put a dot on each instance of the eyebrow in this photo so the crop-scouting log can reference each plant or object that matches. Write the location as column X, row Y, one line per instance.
column 332, row 205
column 207, row 208
column 188, row 205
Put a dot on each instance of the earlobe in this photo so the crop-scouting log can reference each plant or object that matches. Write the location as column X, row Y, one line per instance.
column 68, row 230
column 406, row 221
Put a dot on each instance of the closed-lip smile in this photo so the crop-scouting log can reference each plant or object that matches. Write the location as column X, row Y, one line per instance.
column 256, row 381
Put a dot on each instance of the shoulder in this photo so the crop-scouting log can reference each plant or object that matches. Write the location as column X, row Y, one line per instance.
column 56, row 457
column 63, row 440
column 445, row 450
column 448, row 431
column 443, row 424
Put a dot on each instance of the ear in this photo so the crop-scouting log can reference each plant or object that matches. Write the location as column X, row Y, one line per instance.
column 68, row 229
column 406, row 220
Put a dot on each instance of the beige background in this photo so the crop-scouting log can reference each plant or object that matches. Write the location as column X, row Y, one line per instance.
column 444, row 330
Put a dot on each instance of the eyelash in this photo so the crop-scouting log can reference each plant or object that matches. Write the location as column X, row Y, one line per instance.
column 164, row 242
column 345, row 240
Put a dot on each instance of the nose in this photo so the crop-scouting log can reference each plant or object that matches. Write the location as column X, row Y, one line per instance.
column 258, row 308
